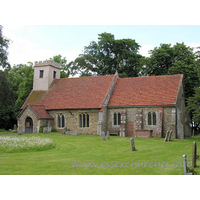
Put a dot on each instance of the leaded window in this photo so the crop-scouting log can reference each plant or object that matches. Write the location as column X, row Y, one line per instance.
column 61, row 120
column 154, row 118
column 151, row 118
column 84, row 120
column 117, row 119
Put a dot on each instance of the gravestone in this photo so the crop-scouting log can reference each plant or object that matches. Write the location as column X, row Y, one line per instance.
column 20, row 130
column 45, row 130
column 108, row 135
column 132, row 144
column 194, row 154
column 166, row 136
column 35, row 130
column 15, row 128
column 71, row 133
column 103, row 135
column 64, row 131
column 170, row 134
column 185, row 166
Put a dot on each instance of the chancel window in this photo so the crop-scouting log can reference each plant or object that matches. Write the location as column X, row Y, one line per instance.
column 61, row 120
column 84, row 120
column 117, row 118
column 151, row 118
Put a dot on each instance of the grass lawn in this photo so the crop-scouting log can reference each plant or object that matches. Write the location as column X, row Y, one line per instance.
column 113, row 156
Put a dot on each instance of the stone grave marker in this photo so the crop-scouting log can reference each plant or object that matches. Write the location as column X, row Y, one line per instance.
column 20, row 130
column 194, row 154
column 108, row 135
column 170, row 134
column 185, row 166
column 132, row 144
column 64, row 131
column 15, row 128
column 166, row 136
column 103, row 135
column 45, row 130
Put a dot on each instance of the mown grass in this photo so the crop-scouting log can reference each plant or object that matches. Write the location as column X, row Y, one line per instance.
column 113, row 156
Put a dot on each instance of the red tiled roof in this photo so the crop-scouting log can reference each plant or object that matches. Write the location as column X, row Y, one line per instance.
column 41, row 112
column 77, row 93
column 146, row 91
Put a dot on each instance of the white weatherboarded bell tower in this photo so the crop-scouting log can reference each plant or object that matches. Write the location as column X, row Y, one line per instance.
column 44, row 73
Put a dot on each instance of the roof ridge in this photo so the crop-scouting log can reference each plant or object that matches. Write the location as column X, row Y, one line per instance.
column 152, row 76
column 87, row 77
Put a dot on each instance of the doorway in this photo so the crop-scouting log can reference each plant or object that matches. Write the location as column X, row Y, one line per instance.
column 28, row 125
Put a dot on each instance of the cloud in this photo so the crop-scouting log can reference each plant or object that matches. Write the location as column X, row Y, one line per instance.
column 144, row 49
column 23, row 50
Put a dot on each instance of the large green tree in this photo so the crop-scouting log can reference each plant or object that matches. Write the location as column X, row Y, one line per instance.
column 177, row 59
column 6, row 94
column 20, row 78
column 65, row 68
column 6, row 102
column 109, row 55
column 4, row 44
column 193, row 102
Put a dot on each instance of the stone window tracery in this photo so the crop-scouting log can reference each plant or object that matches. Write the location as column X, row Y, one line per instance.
column 117, row 119
column 61, row 120
column 151, row 118
column 84, row 120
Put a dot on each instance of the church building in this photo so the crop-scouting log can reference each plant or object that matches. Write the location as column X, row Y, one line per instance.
column 134, row 107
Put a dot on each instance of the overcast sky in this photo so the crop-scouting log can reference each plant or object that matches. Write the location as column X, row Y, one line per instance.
column 40, row 42
column 35, row 43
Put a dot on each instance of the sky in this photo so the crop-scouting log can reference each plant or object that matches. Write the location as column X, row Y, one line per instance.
column 40, row 42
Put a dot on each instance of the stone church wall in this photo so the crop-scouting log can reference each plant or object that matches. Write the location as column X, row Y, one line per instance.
column 168, row 120
column 72, row 120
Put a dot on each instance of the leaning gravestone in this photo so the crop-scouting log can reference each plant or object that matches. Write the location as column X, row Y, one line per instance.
column 103, row 136
column 185, row 166
column 194, row 154
column 166, row 136
column 108, row 135
column 132, row 144
column 170, row 135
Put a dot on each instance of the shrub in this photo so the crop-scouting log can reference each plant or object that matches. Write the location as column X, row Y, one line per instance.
column 53, row 129
column 41, row 128
column 12, row 144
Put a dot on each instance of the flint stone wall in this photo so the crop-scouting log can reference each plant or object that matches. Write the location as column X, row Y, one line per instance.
column 72, row 120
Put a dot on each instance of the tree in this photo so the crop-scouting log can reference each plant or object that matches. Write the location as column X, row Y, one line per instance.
column 109, row 55
column 65, row 68
column 178, row 59
column 193, row 108
column 160, row 60
column 6, row 102
column 4, row 44
column 193, row 102
column 20, row 78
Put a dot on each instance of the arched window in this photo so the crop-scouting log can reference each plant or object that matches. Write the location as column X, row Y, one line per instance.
column 61, row 121
column 154, row 118
column 58, row 120
column 84, row 120
column 151, row 118
column 117, row 118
